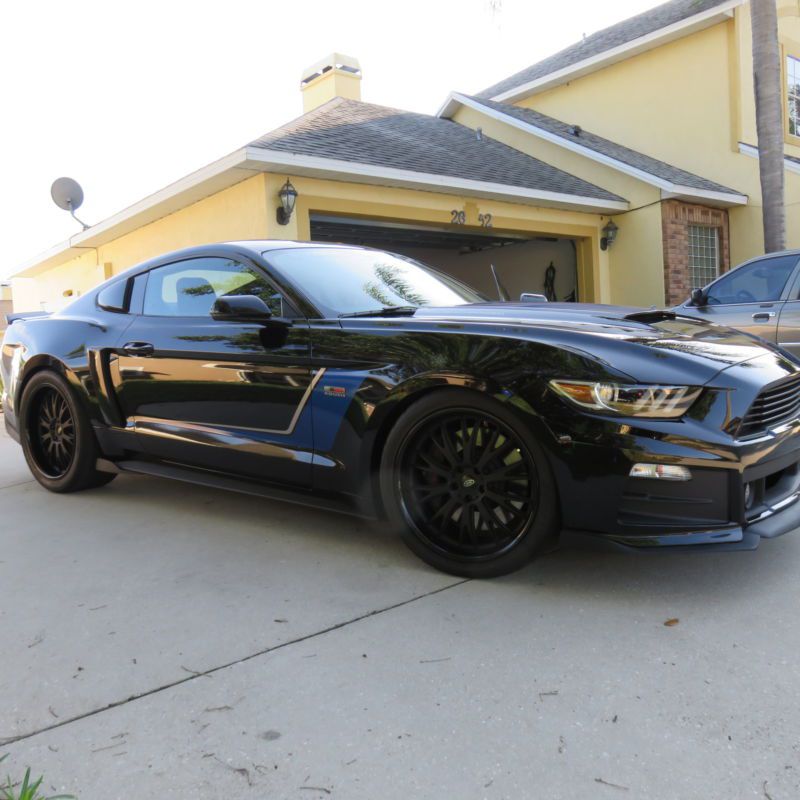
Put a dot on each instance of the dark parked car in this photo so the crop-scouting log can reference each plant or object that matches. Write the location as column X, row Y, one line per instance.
column 361, row 381
column 761, row 296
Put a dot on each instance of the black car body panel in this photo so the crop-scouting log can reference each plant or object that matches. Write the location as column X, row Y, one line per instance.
column 299, row 407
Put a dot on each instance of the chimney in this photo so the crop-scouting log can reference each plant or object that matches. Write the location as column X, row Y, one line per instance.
column 335, row 75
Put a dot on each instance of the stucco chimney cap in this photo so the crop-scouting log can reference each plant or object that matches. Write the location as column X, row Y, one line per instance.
column 332, row 61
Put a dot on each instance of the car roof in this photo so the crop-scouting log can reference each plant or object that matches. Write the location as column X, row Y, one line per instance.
column 254, row 246
column 763, row 256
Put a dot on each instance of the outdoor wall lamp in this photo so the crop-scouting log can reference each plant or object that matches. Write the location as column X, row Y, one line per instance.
column 288, row 197
column 609, row 234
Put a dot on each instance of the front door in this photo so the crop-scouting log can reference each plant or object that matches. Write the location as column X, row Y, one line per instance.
column 228, row 396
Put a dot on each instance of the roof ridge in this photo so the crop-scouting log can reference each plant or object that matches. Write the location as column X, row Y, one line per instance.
column 329, row 105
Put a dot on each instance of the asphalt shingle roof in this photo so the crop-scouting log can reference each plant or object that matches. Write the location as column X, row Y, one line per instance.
column 362, row 133
column 606, row 39
column 632, row 158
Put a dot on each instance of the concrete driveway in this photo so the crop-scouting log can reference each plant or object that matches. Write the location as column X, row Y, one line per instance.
column 166, row 641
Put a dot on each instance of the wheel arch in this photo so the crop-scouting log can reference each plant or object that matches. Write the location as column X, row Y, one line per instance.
column 42, row 362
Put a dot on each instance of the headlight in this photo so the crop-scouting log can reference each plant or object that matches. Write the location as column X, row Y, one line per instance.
column 664, row 402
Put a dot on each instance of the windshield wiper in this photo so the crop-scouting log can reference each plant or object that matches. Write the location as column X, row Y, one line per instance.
column 388, row 311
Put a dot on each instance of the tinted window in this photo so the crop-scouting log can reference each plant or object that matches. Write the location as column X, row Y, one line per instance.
column 114, row 297
column 341, row 280
column 190, row 288
column 759, row 282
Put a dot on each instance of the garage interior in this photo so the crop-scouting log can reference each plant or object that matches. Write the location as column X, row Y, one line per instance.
column 521, row 260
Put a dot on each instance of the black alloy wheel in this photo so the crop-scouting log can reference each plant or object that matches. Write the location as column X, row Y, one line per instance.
column 468, row 484
column 57, row 437
column 53, row 434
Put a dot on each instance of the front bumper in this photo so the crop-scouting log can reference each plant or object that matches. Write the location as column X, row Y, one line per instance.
column 741, row 491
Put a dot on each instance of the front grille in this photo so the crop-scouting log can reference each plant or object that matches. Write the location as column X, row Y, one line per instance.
column 776, row 404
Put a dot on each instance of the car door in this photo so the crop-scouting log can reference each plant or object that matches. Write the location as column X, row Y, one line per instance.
column 750, row 297
column 789, row 320
column 225, row 395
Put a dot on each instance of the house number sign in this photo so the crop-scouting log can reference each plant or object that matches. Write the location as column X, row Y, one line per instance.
column 459, row 217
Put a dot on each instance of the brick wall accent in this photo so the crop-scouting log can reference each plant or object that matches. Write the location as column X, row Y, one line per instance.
column 676, row 216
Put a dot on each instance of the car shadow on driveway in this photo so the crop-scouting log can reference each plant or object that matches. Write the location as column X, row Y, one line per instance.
column 630, row 577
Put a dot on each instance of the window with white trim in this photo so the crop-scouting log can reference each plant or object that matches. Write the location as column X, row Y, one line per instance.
column 793, row 94
column 704, row 257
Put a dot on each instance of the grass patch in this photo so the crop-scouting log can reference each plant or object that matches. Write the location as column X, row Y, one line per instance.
column 27, row 789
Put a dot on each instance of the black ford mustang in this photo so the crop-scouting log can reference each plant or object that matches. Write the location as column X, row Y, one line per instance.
column 361, row 381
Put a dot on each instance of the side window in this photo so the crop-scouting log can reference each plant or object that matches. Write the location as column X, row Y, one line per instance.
column 114, row 297
column 760, row 282
column 190, row 288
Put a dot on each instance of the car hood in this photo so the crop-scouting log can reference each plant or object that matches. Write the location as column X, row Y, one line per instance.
column 646, row 345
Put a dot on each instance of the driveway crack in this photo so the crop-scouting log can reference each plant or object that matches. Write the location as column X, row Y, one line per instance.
column 205, row 673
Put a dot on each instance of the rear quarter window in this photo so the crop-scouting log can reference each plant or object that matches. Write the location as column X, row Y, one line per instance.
column 114, row 297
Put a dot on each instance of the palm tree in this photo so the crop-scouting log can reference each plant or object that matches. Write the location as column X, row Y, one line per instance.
column 769, row 120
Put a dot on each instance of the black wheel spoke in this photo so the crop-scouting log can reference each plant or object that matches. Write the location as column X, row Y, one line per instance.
column 448, row 448
column 488, row 449
column 486, row 515
column 468, row 485
column 446, row 509
column 507, row 472
column 426, row 493
column 505, row 501
column 429, row 465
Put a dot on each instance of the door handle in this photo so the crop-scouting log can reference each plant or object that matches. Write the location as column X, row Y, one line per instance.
column 763, row 316
column 138, row 349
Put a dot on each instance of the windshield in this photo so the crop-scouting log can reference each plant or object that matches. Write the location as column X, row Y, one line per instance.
column 343, row 281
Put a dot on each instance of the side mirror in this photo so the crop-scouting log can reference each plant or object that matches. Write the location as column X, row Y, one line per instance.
column 698, row 297
column 240, row 308
column 531, row 297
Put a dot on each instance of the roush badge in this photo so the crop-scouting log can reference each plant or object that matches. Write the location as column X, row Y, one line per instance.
column 334, row 391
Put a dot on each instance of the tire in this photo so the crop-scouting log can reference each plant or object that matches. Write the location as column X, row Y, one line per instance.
column 468, row 486
column 57, row 437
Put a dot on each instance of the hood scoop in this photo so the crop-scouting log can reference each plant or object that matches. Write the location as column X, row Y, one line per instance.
column 651, row 315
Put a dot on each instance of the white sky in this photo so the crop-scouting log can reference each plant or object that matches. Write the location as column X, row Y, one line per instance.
column 126, row 97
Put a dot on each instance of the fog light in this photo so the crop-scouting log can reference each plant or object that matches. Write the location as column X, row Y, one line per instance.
column 749, row 496
column 662, row 472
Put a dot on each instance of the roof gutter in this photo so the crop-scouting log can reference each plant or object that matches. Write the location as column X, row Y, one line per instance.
column 355, row 172
column 752, row 151
column 668, row 188
column 677, row 30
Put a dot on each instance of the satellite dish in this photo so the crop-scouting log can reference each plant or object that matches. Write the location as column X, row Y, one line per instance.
column 67, row 194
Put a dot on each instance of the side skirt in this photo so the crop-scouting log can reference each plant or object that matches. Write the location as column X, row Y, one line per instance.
column 242, row 485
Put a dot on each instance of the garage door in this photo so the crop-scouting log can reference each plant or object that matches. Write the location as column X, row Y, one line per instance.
column 525, row 263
